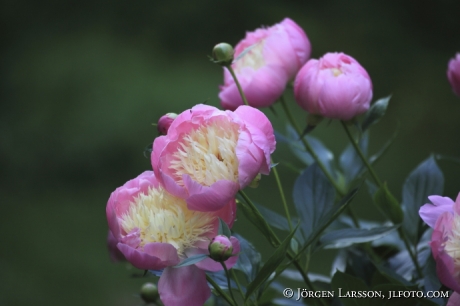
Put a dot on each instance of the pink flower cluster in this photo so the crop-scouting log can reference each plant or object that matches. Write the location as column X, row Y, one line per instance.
column 335, row 86
column 164, row 216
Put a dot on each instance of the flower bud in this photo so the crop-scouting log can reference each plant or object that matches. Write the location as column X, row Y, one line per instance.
column 336, row 86
column 149, row 293
column 223, row 54
column 165, row 122
column 220, row 248
column 453, row 74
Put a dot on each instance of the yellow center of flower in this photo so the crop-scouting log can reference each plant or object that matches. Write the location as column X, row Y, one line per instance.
column 336, row 71
column 162, row 217
column 208, row 154
column 452, row 245
column 252, row 57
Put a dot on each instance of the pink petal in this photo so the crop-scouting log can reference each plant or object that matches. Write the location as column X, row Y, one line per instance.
column 183, row 286
column 156, row 256
column 430, row 213
column 454, row 299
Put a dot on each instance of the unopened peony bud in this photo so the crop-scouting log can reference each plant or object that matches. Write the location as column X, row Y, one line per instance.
column 336, row 86
column 149, row 293
column 255, row 181
column 453, row 74
column 165, row 122
column 220, row 248
column 223, row 54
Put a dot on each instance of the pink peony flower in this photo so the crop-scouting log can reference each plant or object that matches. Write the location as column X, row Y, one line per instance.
column 444, row 217
column 454, row 299
column 453, row 74
column 165, row 122
column 272, row 57
column 335, row 86
column 156, row 231
column 209, row 154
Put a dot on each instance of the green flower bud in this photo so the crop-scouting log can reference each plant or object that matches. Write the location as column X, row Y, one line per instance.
column 220, row 248
column 223, row 54
column 149, row 293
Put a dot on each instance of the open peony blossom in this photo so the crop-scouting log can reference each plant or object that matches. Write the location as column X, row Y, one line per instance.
column 453, row 74
column 444, row 217
column 336, row 86
column 155, row 230
column 265, row 60
column 209, row 154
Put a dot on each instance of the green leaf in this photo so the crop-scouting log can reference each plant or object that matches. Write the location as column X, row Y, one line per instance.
column 313, row 198
column 191, row 260
column 297, row 147
column 224, row 229
column 258, row 222
column 344, row 283
column 248, row 260
column 375, row 113
column 427, row 179
column 388, row 204
column 270, row 266
column 349, row 236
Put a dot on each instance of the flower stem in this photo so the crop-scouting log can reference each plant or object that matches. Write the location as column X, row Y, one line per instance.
column 379, row 183
column 232, row 72
column 309, row 149
column 237, row 283
column 228, row 282
column 220, row 291
column 283, row 198
column 361, row 155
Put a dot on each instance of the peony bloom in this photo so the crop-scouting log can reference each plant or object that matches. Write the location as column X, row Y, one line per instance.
column 272, row 57
column 155, row 231
column 165, row 122
column 453, row 74
column 335, row 86
column 209, row 154
column 444, row 217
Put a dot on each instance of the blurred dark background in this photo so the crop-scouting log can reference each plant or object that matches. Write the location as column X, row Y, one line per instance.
column 82, row 82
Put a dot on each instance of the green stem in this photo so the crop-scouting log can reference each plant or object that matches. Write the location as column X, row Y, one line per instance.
column 293, row 257
column 309, row 148
column 283, row 198
column 228, row 282
column 237, row 283
column 220, row 291
column 361, row 155
column 379, row 183
column 229, row 67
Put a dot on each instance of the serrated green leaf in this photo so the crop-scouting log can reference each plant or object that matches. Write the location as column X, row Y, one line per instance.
column 349, row 236
column 388, row 204
column 343, row 283
column 375, row 112
column 224, row 229
column 191, row 260
column 271, row 265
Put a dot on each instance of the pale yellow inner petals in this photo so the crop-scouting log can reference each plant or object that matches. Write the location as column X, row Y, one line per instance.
column 452, row 245
column 162, row 217
column 208, row 154
column 253, row 57
column 336, row 71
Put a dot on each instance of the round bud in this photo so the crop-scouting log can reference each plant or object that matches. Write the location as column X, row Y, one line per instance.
column 223, row 54
column 149, row 293
column 220, row 248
